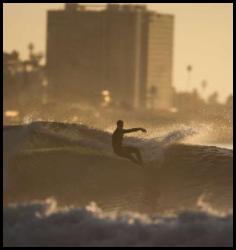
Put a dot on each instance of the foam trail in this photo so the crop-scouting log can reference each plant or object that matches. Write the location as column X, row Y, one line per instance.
column 177, row 136
column 153, row 148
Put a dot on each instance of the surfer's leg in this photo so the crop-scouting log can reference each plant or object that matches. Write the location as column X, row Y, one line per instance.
column 132, row 158
column 125, row 152
column 132, row 150
column 138, row 155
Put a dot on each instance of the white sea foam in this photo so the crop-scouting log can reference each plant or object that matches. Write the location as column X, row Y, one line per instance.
column 45, row 224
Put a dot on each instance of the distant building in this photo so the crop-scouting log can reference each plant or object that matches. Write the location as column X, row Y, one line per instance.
column 124, row 49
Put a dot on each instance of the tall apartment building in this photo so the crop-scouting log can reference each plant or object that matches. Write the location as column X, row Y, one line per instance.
column 124, row 49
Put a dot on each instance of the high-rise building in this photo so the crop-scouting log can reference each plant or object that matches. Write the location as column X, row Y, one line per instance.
column 124, row 49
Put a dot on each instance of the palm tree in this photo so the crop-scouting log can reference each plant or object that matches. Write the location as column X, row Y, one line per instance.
column 189, row 70
column 204, row 84
column 31, row 50
column 153, row 95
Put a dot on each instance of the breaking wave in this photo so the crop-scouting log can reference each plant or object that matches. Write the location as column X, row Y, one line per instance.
column 44, row 224
column 75, row 164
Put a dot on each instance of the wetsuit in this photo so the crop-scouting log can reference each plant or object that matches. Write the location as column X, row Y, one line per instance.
column 125, row 151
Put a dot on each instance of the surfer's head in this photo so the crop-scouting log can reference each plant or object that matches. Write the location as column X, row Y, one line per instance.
column 120, row 124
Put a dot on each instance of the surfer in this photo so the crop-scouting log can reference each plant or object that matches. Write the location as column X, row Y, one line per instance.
column 125, row 151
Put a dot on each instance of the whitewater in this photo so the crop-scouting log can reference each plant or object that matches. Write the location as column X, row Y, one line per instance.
column 63, row 186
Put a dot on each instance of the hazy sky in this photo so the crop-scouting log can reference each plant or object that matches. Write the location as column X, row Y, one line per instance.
column 203, row 37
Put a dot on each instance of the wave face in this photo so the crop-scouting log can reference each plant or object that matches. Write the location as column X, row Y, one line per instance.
column 75, row 165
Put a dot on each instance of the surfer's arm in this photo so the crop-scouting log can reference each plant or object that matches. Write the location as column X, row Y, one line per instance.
column 133, row 130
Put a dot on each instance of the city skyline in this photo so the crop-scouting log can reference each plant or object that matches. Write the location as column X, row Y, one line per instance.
column 124, row 50
column 205, row 41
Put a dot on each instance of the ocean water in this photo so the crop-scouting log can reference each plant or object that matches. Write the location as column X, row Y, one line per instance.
column 221, row 145
column 63, row 186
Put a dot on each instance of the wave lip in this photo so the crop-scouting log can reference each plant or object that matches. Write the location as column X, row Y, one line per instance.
column 45, row 224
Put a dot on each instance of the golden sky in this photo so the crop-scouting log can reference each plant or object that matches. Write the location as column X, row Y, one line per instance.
column 203, row 37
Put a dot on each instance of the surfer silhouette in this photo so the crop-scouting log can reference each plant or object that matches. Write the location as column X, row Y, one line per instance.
column 125, row 151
